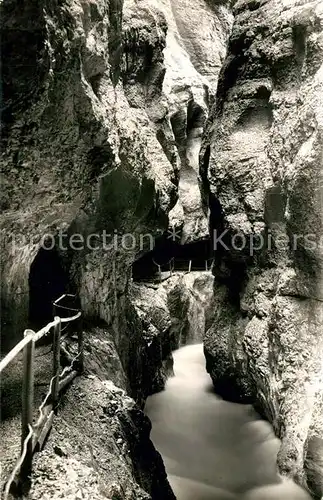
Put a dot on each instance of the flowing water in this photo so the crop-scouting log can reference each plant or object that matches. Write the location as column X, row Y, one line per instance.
column 213, row 449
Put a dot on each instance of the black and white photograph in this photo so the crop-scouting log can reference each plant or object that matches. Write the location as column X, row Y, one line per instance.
column 161, row 250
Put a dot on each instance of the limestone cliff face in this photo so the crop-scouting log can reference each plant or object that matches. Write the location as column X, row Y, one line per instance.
column 174, row 313
column 103, row 105
column 77, row 157
column 92, row 142
column 193, row 58
column 99, row 449
column 263, row 151
column 188, row 70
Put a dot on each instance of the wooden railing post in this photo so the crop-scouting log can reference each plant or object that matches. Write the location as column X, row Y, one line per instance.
column 190, row 266
column 34, row 435
column 56, row 360
column 80, row 339
column 27, row 402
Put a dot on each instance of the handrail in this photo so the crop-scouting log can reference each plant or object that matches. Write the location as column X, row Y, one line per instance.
column 66, row 308
column 47, row 328
column 176, row 264
column 14, row 352
column 33, row 435
column 37, row 336
column 62, row 297
column 164, row 264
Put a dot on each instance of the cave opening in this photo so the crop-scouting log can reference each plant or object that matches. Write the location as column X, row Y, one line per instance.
column 47, row 281
column 169, row 254
column 195, row 117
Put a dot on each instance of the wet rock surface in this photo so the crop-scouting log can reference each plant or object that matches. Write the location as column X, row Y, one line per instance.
column 99, row 448
column 263, row 151
column 106, row 105
column 90, row 147
column 173, row 313
column 171, row 69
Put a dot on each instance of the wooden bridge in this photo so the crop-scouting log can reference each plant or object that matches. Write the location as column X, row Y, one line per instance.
column 33, row 435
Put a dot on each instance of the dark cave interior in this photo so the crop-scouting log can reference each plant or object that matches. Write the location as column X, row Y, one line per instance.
column 168, row 253
column 47, row 281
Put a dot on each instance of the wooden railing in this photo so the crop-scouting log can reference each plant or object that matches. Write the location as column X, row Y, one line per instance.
column 34, row 435
column 166, row 270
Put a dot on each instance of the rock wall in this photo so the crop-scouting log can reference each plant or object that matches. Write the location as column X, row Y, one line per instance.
column 93, row 141
column 99, row 448
column 263, row 155
column 187, row 63
column 89, row 141
column 74, row 158
column 90, row 146
column 174, row 313
column 193, row 58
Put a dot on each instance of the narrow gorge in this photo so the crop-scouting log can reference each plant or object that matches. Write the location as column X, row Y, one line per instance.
column 162, row 162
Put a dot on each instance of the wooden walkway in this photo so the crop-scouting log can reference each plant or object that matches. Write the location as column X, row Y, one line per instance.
column 165, row 271
column 33, row 435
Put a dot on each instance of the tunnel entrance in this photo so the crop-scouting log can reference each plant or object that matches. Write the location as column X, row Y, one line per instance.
column 169, row 255
column 47, row 281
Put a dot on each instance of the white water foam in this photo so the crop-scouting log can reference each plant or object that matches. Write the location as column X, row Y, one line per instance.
column 214, row 449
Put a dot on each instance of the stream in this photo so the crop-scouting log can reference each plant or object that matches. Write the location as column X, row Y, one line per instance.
column 213, row 449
